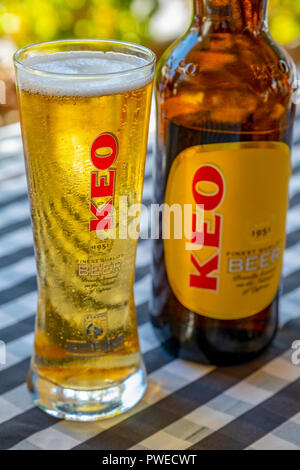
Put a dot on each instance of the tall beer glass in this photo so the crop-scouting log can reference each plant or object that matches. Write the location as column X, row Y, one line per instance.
column 84, row 109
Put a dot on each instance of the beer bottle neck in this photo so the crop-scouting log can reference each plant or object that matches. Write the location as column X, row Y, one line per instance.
column 238, row 14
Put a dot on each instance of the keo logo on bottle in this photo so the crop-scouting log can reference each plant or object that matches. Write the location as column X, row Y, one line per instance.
column 211, row 235
column 104, row 152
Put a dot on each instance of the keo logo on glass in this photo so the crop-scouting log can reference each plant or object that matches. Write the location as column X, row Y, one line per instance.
column 103, row 187
column 2, row 353
column 96, row 327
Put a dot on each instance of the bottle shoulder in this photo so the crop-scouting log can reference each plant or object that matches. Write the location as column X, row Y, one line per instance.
column 223, row 55
column 227, row 78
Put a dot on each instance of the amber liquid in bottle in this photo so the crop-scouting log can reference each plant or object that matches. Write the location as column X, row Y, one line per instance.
column 224, row 81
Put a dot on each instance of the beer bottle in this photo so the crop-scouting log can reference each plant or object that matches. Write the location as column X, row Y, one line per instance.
column 225, row 116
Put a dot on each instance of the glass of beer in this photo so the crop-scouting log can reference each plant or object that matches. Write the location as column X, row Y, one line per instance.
column 84, row 110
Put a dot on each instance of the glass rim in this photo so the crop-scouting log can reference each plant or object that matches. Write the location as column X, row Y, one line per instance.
column 134, row 47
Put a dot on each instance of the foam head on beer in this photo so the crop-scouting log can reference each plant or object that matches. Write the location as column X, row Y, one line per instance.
column 99, row 73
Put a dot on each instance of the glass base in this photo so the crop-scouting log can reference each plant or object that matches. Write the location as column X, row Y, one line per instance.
column 87, row 405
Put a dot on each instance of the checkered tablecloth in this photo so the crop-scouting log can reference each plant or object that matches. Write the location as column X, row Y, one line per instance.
column 187, row 405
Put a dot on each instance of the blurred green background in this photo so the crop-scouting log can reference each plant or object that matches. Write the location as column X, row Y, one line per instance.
column 154, row 23
column 28, row 21
column 284, row 17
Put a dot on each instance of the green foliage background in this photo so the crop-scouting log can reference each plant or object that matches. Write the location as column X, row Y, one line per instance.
column 284, row 16
column 29, row 21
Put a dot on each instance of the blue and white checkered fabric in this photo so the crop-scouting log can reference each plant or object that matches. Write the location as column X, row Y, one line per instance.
column 187, row 405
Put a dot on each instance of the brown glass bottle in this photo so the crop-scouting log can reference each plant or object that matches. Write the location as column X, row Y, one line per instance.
column 225, row 81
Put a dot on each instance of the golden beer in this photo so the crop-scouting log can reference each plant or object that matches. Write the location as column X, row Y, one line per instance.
column 84, row 119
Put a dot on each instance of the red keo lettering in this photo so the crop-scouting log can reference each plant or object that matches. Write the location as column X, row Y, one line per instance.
column 104, row 152
column 211, row 236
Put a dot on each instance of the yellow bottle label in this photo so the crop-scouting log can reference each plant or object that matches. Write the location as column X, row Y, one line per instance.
column 227, row 264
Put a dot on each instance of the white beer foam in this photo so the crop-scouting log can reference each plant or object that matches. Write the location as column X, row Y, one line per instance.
column 103, row 64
